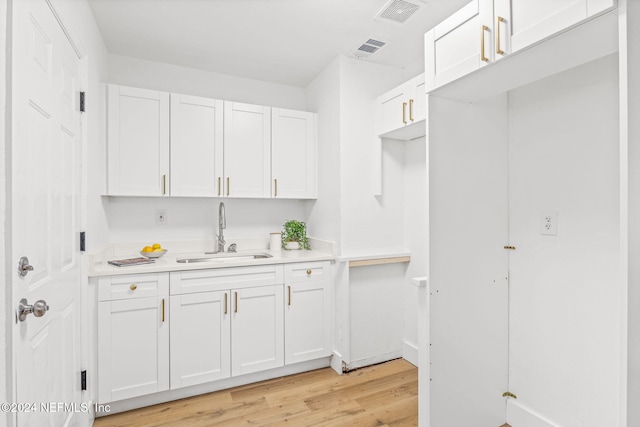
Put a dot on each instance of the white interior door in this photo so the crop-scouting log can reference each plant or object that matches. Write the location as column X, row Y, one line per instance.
column 45, row 187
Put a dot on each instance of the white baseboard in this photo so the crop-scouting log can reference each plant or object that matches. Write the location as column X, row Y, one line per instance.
column 337, row 363
column 519, row 415
column 169, row 395
column 374, row 360
column 410, row 353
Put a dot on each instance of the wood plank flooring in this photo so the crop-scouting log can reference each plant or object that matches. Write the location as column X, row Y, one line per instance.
column 379, row 395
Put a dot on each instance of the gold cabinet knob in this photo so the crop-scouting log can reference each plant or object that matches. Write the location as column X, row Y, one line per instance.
column 309, row 272
column 133, row 287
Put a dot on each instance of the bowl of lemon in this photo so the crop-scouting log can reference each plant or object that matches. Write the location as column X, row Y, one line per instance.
column 153, row 251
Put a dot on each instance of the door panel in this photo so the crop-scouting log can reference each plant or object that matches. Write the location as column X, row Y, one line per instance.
column 196, row 146
column 200, row 338
column 257, row 330
column 45, row 198
column 247, row 150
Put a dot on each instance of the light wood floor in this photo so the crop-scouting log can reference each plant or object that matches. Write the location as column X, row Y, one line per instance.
column 380, row 395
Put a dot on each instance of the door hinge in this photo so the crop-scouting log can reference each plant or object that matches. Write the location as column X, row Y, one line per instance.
column 83, row 241
column 83, row 380
column 511, row 248
column 509, row 394
column 82, row 102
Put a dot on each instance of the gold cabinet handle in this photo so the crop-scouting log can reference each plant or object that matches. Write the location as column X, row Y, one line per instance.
column 482, row 53
column 309, row 272
column 226, row 303
column 275, row 184
column 162, row 310
column 236, row 309
column 228, row 182
column 404, row 113
column 411, row 109
column 499, row 50
column 133, row 287
column 219, row 185
column 164, row 185
column 289, row 297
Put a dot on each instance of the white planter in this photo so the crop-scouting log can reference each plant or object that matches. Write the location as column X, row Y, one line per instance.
column 292, row 246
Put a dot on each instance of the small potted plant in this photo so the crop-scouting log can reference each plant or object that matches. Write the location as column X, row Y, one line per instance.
column 294, row 235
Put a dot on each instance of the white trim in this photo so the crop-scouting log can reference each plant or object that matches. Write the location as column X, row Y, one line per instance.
column 519, row 415
column 62, row 16
column 410, row 353
column 337, row 363
column 374, row 360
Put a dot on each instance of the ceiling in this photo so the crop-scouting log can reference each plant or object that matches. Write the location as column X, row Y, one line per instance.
column 281, row 41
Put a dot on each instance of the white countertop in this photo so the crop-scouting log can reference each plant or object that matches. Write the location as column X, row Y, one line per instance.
column 98, row 265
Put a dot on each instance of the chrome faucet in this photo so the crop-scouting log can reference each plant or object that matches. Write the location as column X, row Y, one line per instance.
column 222, row 224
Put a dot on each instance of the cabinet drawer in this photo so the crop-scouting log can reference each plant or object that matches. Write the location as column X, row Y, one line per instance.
column 187, row 282
column 132, row 286
column 306, row 271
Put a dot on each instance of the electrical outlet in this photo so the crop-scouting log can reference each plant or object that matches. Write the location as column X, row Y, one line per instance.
column 549, row 223
column 161, row 216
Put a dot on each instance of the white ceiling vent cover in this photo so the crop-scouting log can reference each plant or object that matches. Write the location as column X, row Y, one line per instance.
column 398, row 11
column 367, row 48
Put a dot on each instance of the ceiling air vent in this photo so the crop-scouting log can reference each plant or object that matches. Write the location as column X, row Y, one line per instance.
column 398, row 11
column 366, row 49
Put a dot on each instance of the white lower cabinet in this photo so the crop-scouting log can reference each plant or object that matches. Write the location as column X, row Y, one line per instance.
column 257, row 330
column 133, row 336
column 225, row 322
column 307, row 313
column 200, row 338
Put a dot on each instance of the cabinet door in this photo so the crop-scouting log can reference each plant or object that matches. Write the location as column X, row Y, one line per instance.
column 196, row 146
column 200, row 340
column 257, row 330
column 133, row 348
column 394, row 109
column 307, row 322
column 293, row 154
column 528, row 22
column 460, row 44
column 418, row 100
column 138, row 142
column 247, row 150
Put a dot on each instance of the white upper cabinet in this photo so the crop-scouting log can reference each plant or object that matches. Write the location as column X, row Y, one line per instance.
column 527, row 22
column 138, row 141
column 162, row 144
column 460, row 44
column 402, row 111
column 257, row 328
column 247, row 150
column 485, row 31
column 196, row 146
column 293, row 154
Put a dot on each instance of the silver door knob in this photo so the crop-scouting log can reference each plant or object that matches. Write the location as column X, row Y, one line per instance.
column 23, row 266
column 38, row 309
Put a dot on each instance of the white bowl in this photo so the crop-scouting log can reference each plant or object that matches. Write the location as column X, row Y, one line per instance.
column 153, row 254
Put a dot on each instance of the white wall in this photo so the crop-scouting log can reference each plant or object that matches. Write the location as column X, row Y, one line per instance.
column 131, row 219
column 323, row 97
column 5, row 324
column 564, row 293
column 173, row 78
column 415, row 233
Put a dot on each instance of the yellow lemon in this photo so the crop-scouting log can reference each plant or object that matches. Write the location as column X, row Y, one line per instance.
column 158, row 250
column 156, row 246
column 147, row 249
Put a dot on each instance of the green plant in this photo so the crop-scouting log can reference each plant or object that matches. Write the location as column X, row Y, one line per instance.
column 295, row 231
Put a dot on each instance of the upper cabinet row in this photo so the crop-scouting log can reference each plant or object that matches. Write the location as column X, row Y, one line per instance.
column 485, row 31
column 402, row 111
column 162, row 144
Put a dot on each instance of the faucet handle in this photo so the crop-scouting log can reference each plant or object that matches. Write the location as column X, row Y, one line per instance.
column 232, row 248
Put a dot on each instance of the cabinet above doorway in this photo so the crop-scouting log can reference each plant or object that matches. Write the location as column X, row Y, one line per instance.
column 175, row 145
